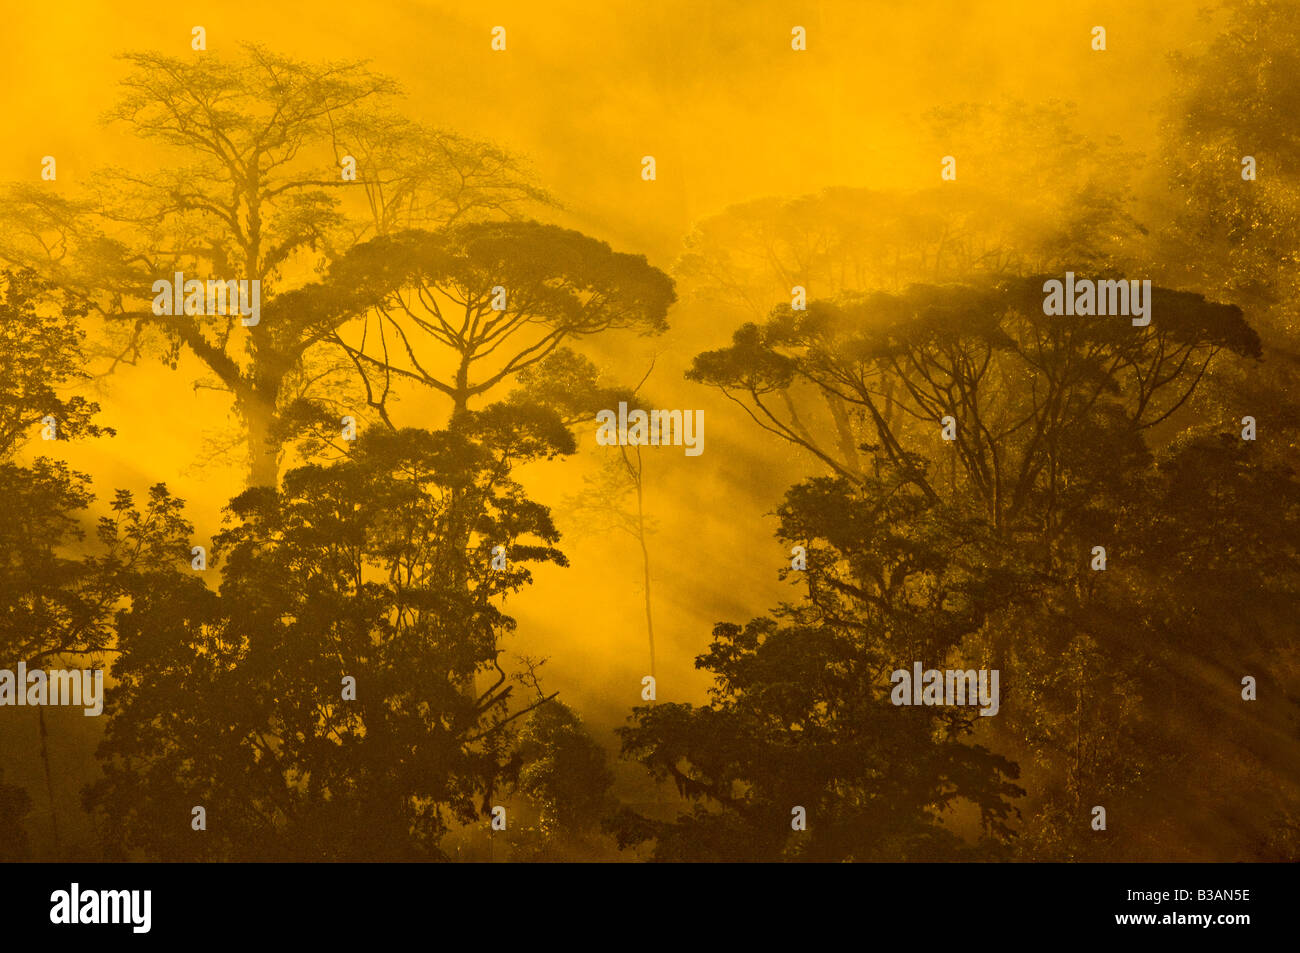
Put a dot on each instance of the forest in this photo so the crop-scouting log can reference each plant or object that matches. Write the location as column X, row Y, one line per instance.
column 376, row 567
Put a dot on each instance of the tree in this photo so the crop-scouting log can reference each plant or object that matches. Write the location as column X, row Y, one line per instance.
column 1229, row 229
column 603, row 505
column 800, row 713
column 565, row 776
column 381, row 568
column 1054, row 426
column 564, row 770
column 1233, row 98
column 1215, row 545
column 467, row 308
column 41, row 354
column 48, row 608
column 570, row 385
column 52, row 605
column 256, row 193
column 417, row 177
column 891, row 367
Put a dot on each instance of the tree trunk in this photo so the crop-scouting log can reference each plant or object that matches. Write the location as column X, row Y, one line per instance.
column 263, row 452
column 844, row 431
column 49, row 784
column 645, row 565
column 460, row 400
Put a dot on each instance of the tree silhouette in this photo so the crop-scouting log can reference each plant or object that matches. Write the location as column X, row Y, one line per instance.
column 565, row 776
column 1233, row 98
column 468, row 308
column 800, row 713
column 923, row 549
column 52, row 604
column 897, row 364
column 41, row 354
column 570, row 385
column 256, row 193
column 234, row 700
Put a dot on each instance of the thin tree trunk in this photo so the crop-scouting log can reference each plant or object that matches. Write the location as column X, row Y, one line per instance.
column 49, row 783
column 645, row 563
column 468, row 684
column 636, row 475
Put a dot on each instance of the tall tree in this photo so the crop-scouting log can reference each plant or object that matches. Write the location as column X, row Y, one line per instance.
column 800, row 716
column 571, row 385
column 1232, row 225
column 899, row 364
column 314, row 705
column 465, row 309
column 54, row 605
column 1054, row 420
column 254, row 192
